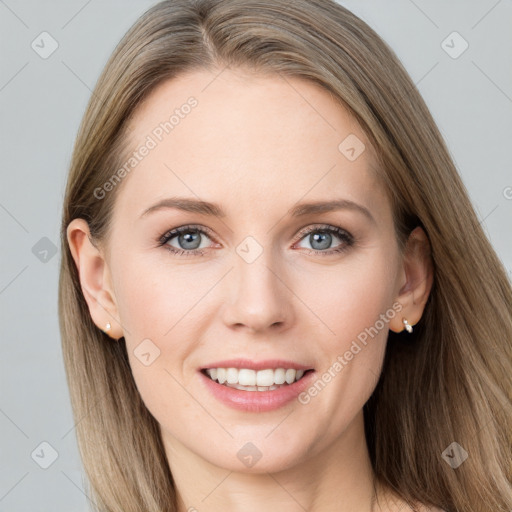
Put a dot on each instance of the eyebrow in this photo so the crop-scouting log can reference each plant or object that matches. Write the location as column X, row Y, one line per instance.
column 214, row 210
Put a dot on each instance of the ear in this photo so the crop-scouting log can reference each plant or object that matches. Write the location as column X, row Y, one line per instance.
column 95, row 278
column 417, row 279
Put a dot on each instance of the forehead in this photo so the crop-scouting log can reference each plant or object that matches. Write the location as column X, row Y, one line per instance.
column 263, row 140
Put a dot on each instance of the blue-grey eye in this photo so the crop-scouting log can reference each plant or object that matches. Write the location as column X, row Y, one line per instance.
column 321, row 238
column 186, row 239
column 320, row 241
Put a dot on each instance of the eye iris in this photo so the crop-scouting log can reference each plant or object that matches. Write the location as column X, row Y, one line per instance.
column 324, row 238
column 188, row 238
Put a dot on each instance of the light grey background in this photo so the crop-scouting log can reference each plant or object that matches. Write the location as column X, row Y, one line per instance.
column 42, row 102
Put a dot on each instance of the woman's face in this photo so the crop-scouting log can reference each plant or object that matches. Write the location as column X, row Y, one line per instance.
column 258, row 281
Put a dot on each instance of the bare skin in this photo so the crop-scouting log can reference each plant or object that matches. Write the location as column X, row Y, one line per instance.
column 257, row 146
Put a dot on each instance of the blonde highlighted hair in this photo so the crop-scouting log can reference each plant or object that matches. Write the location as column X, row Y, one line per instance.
column 450, row 382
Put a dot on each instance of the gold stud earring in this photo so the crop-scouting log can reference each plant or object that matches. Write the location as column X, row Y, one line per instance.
column 407, row 326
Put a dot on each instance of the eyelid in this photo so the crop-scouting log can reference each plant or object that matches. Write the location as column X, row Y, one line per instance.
column 174, row 231
column 319, row 227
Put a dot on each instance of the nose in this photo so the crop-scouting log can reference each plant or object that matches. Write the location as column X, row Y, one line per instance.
column 259, row 296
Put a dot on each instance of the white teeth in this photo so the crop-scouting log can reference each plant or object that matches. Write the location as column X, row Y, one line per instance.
column 265, row 378
column 280, row 376
column 232, row 375
column 252, row 380
column 290, row 376
column 252, row 388
column 246, row 377
column 221, row 375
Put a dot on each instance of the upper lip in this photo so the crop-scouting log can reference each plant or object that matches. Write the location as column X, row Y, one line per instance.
column 257, row 365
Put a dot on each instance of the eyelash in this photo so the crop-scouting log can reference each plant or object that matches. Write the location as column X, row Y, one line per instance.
column 343, row 235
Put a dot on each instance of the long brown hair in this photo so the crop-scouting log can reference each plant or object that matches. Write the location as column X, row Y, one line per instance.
column 451, row 381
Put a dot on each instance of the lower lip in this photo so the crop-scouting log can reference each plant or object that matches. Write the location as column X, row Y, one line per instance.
column 257, row 401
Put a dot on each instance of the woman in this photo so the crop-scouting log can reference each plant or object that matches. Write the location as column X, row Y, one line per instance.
column 215, row 362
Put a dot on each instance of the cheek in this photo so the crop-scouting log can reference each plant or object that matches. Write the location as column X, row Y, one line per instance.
column 350, row 298
column 354, row 304
column 160, row 310
column 152, row 297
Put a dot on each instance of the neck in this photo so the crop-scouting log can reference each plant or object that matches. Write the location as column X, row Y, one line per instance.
column 339, row 473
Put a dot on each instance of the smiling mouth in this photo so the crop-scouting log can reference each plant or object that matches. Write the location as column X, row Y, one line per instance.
column 246, row 379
